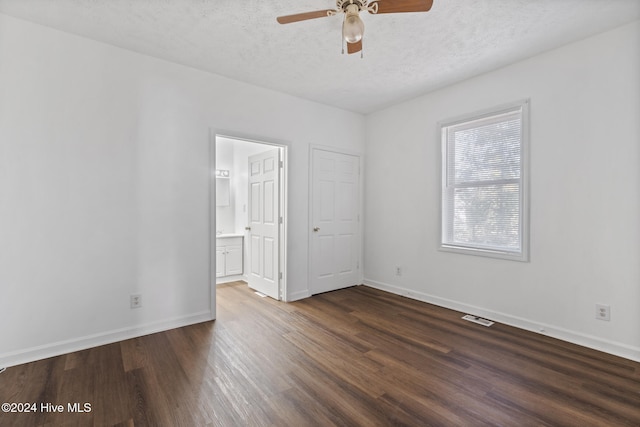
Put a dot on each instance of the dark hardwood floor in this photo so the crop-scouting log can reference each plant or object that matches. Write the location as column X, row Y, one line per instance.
column 354, row 357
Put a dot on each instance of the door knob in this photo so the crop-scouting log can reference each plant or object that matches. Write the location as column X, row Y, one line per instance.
column 316, row 229
column 247, row 228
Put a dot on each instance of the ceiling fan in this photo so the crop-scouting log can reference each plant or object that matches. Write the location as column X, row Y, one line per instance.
column 352, row 26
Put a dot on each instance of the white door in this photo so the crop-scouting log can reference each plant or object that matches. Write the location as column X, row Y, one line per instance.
column 335, row 245
column 264, row 222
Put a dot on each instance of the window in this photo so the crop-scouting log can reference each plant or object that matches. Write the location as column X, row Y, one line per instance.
column 484, row 191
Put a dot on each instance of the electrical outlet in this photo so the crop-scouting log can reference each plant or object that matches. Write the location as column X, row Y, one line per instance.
column 603, row 312
column 398, row 271
column 135, row 300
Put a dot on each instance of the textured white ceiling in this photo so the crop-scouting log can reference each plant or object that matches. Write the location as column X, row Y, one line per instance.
column 405, row 54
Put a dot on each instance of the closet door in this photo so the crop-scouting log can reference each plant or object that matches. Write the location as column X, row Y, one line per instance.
column 335, row 222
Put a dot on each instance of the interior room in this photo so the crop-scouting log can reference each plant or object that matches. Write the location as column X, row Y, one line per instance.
column 161, row 162
column 232, row 205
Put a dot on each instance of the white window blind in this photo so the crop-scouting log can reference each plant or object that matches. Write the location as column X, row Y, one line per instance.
column 483, row 191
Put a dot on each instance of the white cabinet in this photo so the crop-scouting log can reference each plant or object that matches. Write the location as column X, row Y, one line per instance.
column 229, row 256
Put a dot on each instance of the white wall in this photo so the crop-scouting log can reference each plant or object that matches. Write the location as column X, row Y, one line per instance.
column 104, row 186
column 585, row 196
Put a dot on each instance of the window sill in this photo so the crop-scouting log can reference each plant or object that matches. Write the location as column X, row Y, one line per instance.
column 488, row 253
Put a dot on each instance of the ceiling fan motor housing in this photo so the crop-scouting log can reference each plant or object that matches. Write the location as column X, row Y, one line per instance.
column 344, row 4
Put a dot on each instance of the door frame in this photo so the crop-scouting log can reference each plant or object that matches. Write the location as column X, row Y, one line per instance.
column 347, row 152
column 284, row 203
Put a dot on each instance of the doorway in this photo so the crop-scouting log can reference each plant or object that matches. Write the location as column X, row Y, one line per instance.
column 249, row 222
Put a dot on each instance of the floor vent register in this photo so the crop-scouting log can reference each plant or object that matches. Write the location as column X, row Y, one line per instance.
column 478, row 320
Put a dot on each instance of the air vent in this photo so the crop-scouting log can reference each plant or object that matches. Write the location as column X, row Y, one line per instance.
column 478, row 320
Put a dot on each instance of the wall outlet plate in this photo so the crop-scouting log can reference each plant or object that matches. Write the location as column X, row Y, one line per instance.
column 135, row 300
column 603, row 312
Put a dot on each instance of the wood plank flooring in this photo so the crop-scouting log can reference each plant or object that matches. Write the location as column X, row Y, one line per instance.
column 354, row 357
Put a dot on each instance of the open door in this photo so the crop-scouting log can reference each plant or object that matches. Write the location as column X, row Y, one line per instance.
column 264, row 222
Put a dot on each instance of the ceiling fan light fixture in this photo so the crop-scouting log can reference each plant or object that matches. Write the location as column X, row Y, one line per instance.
column 353, row 27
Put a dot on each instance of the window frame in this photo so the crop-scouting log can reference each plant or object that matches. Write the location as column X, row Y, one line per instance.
column 443, row 164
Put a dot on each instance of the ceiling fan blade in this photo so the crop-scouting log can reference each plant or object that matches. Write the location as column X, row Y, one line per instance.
column 304, row 16
column 354, row 47
column 397, row 6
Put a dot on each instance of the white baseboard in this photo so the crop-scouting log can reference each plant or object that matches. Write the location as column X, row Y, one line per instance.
column 295, row 296
column 83, row 343
column 227, row 279
column 596, row 343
